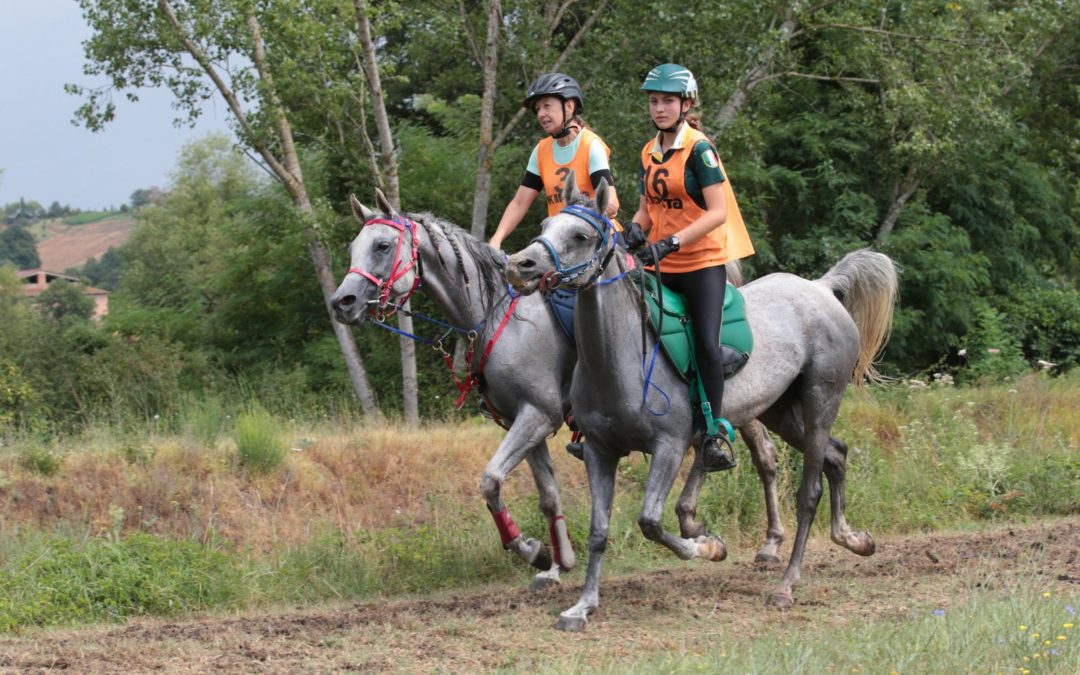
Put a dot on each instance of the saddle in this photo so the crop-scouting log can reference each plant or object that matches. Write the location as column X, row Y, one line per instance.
column 677, row 337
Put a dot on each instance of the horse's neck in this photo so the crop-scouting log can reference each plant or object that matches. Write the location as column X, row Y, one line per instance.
column 460, row 302
column 607, row 325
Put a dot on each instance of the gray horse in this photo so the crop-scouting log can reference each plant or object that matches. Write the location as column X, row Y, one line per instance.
column 811, row 339
column 463, row 276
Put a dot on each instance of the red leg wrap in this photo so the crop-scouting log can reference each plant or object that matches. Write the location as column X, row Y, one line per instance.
column 556, row 548
column 508, row 529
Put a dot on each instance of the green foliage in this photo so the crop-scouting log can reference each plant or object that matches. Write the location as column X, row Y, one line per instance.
column 1047, row 322
column 65, row 303
column 259, row 444
column 17, row 246
column 104, row 273
column 40, row 459
column 59, row 580
column 993, row 351
column 87, row 217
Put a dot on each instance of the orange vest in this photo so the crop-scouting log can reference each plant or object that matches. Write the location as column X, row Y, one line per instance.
column 553, row 173
column 671, row 209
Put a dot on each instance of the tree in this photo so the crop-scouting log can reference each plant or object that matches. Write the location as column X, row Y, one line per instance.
column 18, row 247
column 64, row 302
column 198, row 49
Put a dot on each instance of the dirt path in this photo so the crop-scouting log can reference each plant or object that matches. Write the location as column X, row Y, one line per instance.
column 508, row 627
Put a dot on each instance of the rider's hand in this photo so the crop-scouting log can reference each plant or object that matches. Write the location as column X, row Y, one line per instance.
column 633, row 236
column 650, row 255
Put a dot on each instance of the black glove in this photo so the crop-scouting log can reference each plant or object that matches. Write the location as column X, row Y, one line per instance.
column 633, row 237
column 650, row 255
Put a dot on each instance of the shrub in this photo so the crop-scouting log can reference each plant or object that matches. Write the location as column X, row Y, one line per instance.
column 258, row 440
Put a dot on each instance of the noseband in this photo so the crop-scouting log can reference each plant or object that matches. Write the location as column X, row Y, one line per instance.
column 561, row 275
column 398, row 269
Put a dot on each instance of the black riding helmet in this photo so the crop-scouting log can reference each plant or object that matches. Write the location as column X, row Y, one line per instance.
column 555, row 84
column 561, row 86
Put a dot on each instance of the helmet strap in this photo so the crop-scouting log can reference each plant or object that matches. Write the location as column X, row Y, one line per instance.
column 565, row 131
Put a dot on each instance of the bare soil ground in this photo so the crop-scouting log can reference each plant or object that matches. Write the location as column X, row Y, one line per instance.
column 685, row 606
column 72, row 245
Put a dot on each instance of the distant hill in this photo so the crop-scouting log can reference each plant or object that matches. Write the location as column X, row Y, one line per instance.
column 63, row 246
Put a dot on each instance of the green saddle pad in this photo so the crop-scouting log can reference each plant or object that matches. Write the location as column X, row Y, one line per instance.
column 676, row 335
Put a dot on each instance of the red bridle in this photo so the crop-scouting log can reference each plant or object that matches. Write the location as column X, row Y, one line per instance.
column 398, row 269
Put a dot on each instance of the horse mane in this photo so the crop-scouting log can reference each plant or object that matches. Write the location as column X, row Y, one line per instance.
column 489, row 262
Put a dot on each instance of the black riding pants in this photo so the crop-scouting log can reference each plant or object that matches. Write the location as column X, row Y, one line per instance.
column 704, row 291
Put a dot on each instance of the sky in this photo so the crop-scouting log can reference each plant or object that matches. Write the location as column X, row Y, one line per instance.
column 43, row 157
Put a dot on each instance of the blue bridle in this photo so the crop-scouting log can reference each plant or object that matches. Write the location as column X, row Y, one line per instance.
column 603, row 226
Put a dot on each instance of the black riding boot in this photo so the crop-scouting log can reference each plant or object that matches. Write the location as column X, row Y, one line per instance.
column 717, row 453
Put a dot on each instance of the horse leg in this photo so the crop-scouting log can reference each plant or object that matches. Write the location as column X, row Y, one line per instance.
column 601, row 471
column 686, row 508
column 662, row 472
column 763, row 454
column 815, row 442
column 529, row 429
column 861, row 543
column 563, row 558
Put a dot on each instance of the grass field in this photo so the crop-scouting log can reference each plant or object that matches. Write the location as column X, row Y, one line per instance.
column 107, row 526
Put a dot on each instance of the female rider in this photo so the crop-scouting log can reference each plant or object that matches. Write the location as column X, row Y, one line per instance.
column 693, row 226
column 556, row 100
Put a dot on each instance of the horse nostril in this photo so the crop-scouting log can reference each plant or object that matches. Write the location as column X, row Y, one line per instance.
column 344, row 302
column 527, row 264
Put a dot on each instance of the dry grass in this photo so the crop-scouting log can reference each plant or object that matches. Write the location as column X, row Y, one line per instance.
column 364, row 478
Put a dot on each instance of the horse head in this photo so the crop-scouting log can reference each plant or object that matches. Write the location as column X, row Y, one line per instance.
column 572, row 248
column 383, row 268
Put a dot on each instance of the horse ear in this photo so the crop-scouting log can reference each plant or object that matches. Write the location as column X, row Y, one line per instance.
column 362, row 212
column 603, row 194
column 384, row 204
column 570, row 189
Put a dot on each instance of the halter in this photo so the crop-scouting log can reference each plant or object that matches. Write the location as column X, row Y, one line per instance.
column 562, row 275
column 473, row 377
column 397, row 270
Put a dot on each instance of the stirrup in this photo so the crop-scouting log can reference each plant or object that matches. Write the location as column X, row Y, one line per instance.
column 717, row 454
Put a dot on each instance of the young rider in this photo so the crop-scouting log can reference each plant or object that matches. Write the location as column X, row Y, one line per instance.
column 693, row 224
column 556, row 100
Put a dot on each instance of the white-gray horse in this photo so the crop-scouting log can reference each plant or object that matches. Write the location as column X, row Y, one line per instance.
column 526, row 375
column 811, row 338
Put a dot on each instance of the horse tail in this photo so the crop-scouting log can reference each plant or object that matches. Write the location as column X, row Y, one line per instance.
column 866, row 284
column 734, row 272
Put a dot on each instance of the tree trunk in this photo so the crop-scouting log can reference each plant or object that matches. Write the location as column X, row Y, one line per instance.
column 901, row 193
column 287, row 170
column 553, row 12
column 486, row 151
column 409, row 384
column 761, row 70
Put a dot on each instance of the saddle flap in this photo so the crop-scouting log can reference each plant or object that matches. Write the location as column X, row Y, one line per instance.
column 676, row 333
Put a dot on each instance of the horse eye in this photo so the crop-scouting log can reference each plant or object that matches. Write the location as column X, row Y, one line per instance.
column 581, row 236
column 383, row 246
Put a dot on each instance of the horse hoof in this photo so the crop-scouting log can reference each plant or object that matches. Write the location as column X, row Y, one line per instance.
column 711, row 548
column 781, row 599
column 540, row 582
column 540, row 557
column 767, row 559
column 571, row 624
column 867, row 545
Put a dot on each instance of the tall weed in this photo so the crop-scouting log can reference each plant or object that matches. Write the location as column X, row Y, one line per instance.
column 259, row 444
